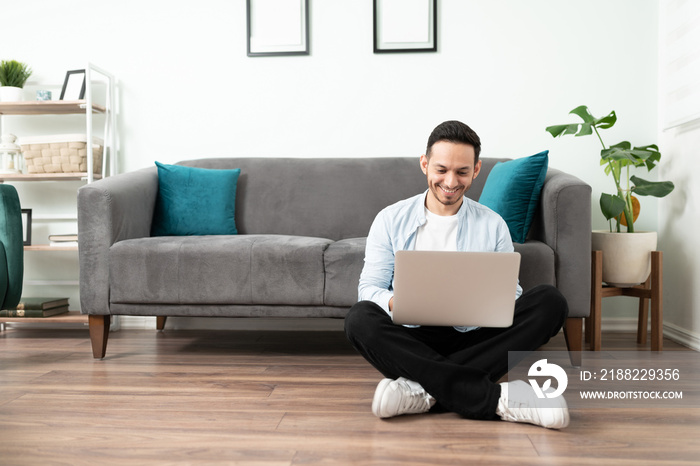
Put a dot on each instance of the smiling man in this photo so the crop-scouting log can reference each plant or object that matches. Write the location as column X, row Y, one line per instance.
column 449, row 368
column 454, row 166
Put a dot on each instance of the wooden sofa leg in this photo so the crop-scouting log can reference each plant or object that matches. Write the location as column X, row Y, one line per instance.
column 99, row 332
column 160, row 322
column 573, row 332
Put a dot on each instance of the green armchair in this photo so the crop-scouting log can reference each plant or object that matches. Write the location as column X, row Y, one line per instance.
column 11, row 248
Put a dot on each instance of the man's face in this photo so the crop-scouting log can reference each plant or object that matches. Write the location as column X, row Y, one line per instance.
column 450, row 172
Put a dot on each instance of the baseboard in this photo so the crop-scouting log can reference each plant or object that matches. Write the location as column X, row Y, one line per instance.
column 618, row 324
column 201, row 323
column 612, row 324
column 137, row 322
column 671, row 331
column 682, row 336
column 227, row 323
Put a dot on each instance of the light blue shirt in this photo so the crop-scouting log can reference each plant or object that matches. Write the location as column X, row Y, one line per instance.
column 395, row 229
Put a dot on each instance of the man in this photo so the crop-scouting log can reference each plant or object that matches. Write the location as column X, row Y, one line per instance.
column 455, row 369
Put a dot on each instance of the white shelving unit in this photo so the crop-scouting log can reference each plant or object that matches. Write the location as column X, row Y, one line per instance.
column 9, row 111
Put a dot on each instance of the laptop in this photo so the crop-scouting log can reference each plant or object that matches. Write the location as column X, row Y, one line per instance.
column 449, row 288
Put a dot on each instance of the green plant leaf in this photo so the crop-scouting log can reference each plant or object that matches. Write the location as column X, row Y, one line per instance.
column 651, row 188
column 607, row 121
column 611, row 206
column 14, row 73
column 638, row 156
column 559, row 130
column 585, row 128
column 583, row 112
column 653, row 155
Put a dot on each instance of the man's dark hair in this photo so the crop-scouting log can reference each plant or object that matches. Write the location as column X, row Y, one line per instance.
column 457, row 133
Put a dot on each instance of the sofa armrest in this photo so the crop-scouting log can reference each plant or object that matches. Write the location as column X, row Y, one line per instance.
column 110, row 210
column 563, row 222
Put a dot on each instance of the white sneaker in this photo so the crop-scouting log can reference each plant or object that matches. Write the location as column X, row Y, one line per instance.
column 400, row 396
column 519, row 403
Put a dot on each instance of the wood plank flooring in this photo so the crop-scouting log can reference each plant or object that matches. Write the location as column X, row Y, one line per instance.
column 275, row 398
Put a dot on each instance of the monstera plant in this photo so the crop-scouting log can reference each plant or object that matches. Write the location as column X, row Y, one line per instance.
column 622, row 205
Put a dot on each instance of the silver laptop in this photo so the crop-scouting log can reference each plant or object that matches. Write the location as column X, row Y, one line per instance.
column 455, row 288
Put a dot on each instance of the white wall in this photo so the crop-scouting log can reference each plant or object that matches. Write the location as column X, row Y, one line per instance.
column 679, row 223
column 679, row 217
column 508, row 68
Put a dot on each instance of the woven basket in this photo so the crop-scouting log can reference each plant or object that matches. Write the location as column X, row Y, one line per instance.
column 65, row 153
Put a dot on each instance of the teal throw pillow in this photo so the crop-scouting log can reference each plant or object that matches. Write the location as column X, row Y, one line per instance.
column 513, row 191
column 195, row 201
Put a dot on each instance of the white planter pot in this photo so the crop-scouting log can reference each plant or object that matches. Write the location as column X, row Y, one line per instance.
column 11, row 94
column 626, row 256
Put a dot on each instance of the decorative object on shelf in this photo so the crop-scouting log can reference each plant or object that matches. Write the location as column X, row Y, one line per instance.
column 43, row 95
column 10, row 155
column 618, row 265
column 27, row 227
column 64, row 241
column 277, row 27
column 62, row 153
column 70, row 237
column 37, row 307
column 13, row 76
column 405, row 26
column 73, row 85
column 32, row 313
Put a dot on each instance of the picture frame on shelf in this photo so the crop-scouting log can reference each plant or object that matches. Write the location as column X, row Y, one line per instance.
column 73, row 85
column 27, row 227
column 404, row 26
column 277, row 27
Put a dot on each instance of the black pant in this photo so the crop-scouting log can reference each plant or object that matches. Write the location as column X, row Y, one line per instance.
column 459, row 370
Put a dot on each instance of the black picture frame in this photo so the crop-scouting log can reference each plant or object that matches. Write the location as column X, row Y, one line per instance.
column 73, row 85
column 393, row 21
column 263, row 24
column 27, row 227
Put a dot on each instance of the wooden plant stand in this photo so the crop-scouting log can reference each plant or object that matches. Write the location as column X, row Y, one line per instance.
column 651, row 290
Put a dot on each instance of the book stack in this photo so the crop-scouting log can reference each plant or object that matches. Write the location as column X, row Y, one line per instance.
column 37, row 307
column 63, row 240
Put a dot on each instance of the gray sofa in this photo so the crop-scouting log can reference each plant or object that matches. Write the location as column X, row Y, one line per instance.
column 299, row 252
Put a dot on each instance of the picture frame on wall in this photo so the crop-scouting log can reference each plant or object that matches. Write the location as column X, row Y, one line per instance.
column 403, row 26
column 27, row 227
column 73, row 85
column 277, row 27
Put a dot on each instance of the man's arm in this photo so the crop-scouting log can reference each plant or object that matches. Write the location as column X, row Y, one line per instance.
column 378, row 272
column 505, row 244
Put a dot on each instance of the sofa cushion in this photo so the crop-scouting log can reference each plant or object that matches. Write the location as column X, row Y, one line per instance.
column 226, row 269
column 344, row 260
column 513, row 189
column 536, row 264
column 195, row 201
column 288, row 269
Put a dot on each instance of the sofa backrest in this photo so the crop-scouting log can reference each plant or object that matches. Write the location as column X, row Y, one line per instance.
column 333, row 198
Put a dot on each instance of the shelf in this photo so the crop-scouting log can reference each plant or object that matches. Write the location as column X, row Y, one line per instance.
column 47, row 176
column 51, row 282
column 48, row 107
column 89, row 113
column 48, row 247
column 68, row 318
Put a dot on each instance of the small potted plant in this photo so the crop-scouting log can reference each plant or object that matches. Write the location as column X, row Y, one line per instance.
column 13, row 75
column 625, row 256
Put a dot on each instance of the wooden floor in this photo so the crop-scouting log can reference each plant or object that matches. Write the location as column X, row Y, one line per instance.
column 275, row 398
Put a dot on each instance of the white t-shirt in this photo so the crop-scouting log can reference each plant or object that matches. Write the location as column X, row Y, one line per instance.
column 439, row 233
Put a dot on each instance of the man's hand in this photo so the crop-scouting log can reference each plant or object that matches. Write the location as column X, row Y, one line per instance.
column 391, row 304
